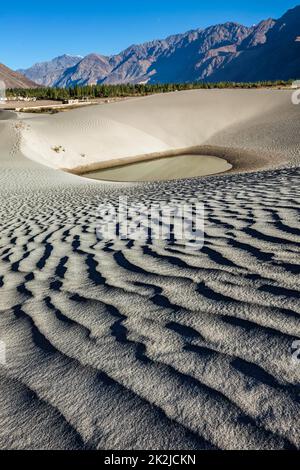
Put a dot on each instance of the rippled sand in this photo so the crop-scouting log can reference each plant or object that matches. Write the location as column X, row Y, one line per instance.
column 125, row 346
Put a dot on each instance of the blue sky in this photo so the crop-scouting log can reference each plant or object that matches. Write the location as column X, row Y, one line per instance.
column 37, row 30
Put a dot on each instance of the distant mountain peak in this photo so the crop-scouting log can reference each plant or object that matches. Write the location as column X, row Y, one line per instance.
column 72, row 55
column 47, row 73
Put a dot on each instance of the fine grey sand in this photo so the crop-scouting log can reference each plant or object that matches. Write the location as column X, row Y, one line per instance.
column 121, row 345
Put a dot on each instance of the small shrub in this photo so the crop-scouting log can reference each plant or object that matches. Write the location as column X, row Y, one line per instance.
column 58, row 149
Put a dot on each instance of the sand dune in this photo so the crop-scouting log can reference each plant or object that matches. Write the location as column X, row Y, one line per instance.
column 120, row 345
column 161, row 124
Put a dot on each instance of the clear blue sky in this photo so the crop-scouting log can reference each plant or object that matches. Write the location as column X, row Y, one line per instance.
column 38, row 30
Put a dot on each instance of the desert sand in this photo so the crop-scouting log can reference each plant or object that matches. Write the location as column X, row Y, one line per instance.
column 120, row 345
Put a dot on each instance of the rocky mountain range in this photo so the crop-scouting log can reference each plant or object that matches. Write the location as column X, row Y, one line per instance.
column 13, row 79
column 48, row 73
column 230, row 51
column 278, row 58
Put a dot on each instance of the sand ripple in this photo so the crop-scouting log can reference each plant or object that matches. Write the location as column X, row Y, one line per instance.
column 120, row 345
column 153, row 346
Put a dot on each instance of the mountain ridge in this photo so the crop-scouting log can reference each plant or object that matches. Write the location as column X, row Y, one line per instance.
column 222, row 52
column 46, row 73
column 14, row 79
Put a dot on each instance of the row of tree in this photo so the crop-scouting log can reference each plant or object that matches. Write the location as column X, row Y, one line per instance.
column 123, row 90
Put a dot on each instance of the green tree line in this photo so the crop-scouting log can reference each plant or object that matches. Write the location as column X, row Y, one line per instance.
column 123, row 90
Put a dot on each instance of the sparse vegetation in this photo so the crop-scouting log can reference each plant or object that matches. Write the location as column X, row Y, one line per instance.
column 39, row 110
column 124, row 90
column 58, row 149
